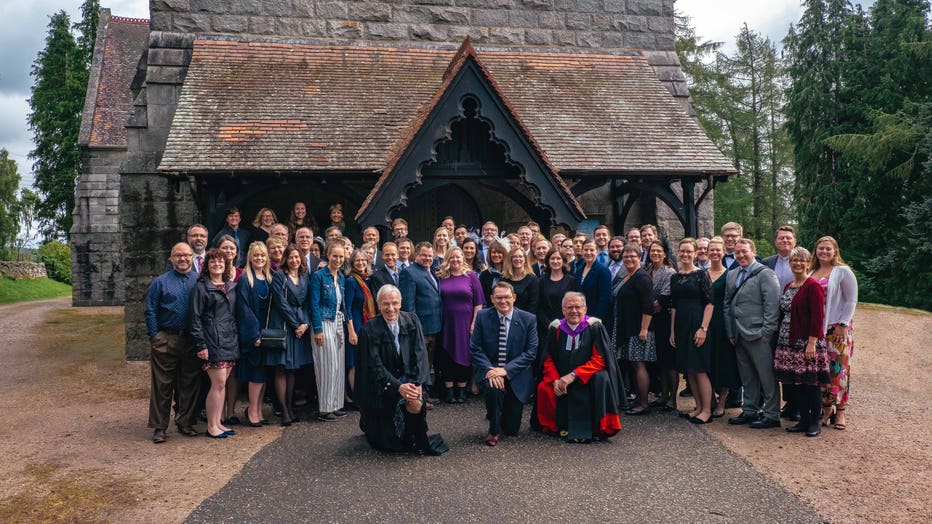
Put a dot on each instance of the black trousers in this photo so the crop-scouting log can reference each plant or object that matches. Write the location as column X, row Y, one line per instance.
column 503, row 409
column 808, row 399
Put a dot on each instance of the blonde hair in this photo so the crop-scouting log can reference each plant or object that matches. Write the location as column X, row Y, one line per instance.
column 250, row 275
column 836, row 261
column 444, row 271
column 717, row 240
column 508, row 271
column 442, row 253
column 258, row 220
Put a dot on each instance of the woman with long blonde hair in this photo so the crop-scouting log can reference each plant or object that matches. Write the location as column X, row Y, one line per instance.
column 253, row 314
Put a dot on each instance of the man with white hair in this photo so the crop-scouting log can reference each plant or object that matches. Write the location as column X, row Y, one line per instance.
column 392, row 377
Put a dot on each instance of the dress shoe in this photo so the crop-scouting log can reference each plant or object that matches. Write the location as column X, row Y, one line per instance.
column 798, row 428
column 229, row 432
column 222, row 435
column 339, row 413
column 159, row 436
column 764, row 423
column 742, row 419
column 491, row 440
column 636, row 412
column 249, row 422
column 686, row 393
column 187, row 431
column 697, row 420
column 813, row 430
column 326, row 417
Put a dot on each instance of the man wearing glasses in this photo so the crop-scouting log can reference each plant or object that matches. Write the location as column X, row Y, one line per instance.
column 172, row 358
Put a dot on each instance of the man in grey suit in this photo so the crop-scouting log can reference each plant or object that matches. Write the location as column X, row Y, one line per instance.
column 752, row 309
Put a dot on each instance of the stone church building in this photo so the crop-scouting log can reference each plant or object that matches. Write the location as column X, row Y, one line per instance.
column 567, row 112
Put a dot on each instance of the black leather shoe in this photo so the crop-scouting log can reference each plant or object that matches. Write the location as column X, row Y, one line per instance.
column 159, row 436
column 742, row 419
column 814, row 430
column 765, row 423
column 187, row 431
column 798, row 428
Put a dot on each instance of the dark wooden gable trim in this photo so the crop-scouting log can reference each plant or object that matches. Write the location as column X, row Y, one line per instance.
column 467, row 78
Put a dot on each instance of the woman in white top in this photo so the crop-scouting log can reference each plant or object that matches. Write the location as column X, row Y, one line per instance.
column 841, row 298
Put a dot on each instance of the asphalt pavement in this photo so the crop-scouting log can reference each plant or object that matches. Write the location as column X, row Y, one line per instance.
column 659, row 468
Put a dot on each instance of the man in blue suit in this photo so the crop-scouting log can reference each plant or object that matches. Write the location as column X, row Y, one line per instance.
column 420, row 294
column 503, row 346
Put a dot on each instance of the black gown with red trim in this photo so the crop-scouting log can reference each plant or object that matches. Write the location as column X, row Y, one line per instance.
column 590, row 407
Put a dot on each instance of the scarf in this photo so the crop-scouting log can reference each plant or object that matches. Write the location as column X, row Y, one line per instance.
column 573, row 333
column 368, row 305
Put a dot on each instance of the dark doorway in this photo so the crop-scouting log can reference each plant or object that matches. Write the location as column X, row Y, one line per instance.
column 426, row 210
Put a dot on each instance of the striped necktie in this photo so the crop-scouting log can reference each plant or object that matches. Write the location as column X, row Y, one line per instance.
column 502, row 338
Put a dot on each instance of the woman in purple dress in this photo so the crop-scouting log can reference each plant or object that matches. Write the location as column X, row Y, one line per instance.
column 461, row 299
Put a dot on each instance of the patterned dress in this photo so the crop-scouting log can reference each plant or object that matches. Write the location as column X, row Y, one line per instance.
column 790, row 363
column 839, row 351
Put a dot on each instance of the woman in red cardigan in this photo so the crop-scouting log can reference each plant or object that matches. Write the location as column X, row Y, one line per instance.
column 800, row 361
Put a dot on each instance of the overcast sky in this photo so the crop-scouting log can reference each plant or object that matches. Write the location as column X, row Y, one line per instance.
column 24, row 25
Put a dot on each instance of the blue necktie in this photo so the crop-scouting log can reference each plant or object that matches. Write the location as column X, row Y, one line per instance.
column 740, row 278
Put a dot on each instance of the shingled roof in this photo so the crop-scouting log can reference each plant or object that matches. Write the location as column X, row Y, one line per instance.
column 120, row 43
column 259, row 104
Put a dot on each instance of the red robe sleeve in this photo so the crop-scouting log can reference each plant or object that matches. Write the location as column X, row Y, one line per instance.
column 550, row 371
column 593, row 366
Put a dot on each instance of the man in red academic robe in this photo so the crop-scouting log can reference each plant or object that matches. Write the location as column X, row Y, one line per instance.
column 580, row 392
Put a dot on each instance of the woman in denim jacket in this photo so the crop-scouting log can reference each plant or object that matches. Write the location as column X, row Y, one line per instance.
column 328, row 317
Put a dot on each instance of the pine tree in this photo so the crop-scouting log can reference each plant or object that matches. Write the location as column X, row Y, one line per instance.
column 87, row 28
column 9, row 219
column 60, row 81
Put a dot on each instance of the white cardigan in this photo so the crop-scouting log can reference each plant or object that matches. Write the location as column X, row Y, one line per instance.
column 841, row 297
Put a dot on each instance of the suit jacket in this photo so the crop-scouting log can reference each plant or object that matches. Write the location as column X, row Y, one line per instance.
column 597, row 287
column 312, row 263
column 377, row 369
column 420, row 295
column 521, row 349
column 753, row 310
column 379, row 278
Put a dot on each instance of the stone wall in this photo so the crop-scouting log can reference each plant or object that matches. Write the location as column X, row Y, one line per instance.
column 96, row 243
column 23, row 270
column 637, row 24
column 155, row 208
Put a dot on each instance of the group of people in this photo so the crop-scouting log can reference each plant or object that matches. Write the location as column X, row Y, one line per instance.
column 583, row 327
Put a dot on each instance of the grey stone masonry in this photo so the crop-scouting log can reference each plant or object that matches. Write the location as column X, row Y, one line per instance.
column 155, row 208
column 636, row 24
column 96, row 241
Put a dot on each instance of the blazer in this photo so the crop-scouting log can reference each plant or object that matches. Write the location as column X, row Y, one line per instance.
column 379, row 278
column 753, row 310
column 598, row 290
column 521, row 349
column 420, row 295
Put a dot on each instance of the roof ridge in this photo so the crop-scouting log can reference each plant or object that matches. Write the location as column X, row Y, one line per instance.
column 127, row 20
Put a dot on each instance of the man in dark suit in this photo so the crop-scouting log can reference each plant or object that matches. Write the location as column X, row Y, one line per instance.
column 388, row 273
column 420, row 294
column 540, row 247
column 503, row 346
column 240, row 236
column 391, row 378
column 303, row 238
column 371, row 235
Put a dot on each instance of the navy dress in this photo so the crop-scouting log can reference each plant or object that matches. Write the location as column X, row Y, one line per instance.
column 252, row 309
column 291, row 301
column 353, row 301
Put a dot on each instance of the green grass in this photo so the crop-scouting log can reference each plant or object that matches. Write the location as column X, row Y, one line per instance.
column 27, row 290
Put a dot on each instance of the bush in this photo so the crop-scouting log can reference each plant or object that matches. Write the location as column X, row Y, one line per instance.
column 57, row 259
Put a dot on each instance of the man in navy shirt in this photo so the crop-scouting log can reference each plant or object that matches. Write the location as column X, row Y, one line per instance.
column 172, row 356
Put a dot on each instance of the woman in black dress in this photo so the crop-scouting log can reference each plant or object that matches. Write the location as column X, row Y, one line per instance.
column 691, row 292
column 518, row 273
column 634, row 308
column 495, row 264
column 724, row 373
column 555, row 283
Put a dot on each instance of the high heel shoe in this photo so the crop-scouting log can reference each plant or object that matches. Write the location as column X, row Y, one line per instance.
column 828, row 415
column 249, row 421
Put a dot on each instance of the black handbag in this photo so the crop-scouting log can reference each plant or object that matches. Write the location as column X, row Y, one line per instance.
column 272, row 338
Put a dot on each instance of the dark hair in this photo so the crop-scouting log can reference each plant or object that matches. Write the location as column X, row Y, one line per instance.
column 422, row 245
column 302, row 269
column 230, row 211
column 666, row 256
column 211, row 254
column 556, row 250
